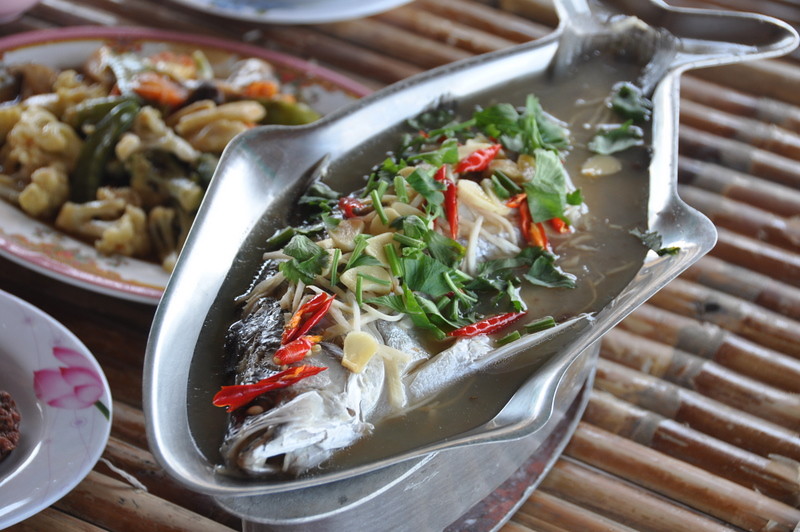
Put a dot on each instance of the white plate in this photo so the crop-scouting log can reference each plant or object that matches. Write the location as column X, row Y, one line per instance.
column 64, row 427
column 42, row 248
column 293, row 11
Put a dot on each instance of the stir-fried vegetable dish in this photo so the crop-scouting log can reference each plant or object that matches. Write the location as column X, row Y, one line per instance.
column 119, row 152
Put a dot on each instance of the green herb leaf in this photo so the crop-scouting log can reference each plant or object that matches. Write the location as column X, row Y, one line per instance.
column 523, row 132
column 652, row 239
column 614, row 139
column 547, row 191
column 421, row 180
column 308, row 260
column 425, row 274
column 444, row 249
column 446, row 153
column 628, row 101
column 544, row 272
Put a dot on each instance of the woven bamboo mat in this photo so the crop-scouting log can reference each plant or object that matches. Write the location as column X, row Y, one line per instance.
column 694, row 417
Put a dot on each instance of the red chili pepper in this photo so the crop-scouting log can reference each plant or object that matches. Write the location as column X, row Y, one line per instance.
column 450, row 200
column 559, row 225
column 238, row 395
column 296, row 350
column 488, row 325
column 313, row 310
column 532, row 232
column 349, row 206
column 478, row 160
column 515, row 201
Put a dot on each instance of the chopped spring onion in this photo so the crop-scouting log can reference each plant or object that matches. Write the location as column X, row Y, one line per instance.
column 540, row 325
column 510, row 337
column 378, row 206
column 394, row 261
column 337, row 253
column 400, row 189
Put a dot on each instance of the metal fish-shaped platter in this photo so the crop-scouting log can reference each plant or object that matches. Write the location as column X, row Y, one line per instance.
column 235, row 326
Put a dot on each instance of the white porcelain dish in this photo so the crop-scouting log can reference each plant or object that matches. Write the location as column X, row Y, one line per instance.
column 65, row 404
column 43, row 248
column 293, row 11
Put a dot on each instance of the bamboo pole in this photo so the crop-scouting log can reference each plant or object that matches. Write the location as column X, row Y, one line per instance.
column 702, row 376
column 758, row 256
column 621, row 501
column 682, row 482
column 494, row 21
column 714, row 343
column 777, row 479
column 753, row 132
column 732, row 101
column 544, row 512
column 444, row 30
column 771, row 78
column 755, row 287
column 51, row 519
column 739, row 156
column 116, row 506
column 762, row 326
column 748, row 432
column 128, row 424
column 778, row 199
column 744, row 219
column 143, row 467
column 394, row 42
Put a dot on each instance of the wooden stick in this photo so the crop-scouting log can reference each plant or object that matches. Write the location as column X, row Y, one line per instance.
column 542, row 11
column 710, row 341
column 742, row 218
column 739, row 316
column 51, row 519
column 702, row 376
column 761, row 257
column 500, row 23
column 753, row 132
column 736, row 102
column 775, row 479
column 543, row 512
column 739, row 156
column 394, row 42
column 760, row 289
column 620, row 501
column 680, row 481
column 116, row 506
column 445, row 30
column 710, row 417
column 143, row 466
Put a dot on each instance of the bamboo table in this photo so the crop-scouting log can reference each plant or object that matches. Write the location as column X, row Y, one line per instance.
column 693, row 420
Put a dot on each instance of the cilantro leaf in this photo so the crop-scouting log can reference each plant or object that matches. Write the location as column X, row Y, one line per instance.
column 447, row 153
column 652, row 239
column 423, row 182
column 547, row 191
column 544, row 272
column 616, row 138
column 523, row 132
column 444, row 249
column 628, row 101
column 408, row 304
column 308, row 260
column 426, row 274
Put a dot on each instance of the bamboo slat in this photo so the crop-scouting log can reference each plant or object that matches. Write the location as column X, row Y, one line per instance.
column 113, row 504
column 758, row 256
column 746, row 284
column 51, row 519
column 775, row 79
column 744, row 219
column 702, row 376
column 736, row 102
column 500, row 23
column 620, row 501
column 680, row 481
column 778, row 199
column 708, row 416
column 542, row 511
column 739, row 316
column 777, row 479
column 712, row 342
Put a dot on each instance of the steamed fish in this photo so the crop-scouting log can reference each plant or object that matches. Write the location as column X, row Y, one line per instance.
column 383, row 298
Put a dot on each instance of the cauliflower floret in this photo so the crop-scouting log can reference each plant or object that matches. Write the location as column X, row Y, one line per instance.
column 153, row 133
column 210, row 128
column 37, row 140
column 47, row 191
column 111, row 223
column 9, row 116
column 127, row 235
column 71, row 90
column 164, row 235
